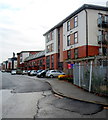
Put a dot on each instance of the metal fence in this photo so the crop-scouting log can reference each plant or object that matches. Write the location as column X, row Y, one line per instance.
column 91, row 77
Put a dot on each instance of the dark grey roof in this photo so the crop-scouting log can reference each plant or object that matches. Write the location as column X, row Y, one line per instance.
column 27, row 51
column 83, row 7
column 37, row 55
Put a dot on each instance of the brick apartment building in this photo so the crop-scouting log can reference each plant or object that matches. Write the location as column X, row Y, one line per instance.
column 80, row 36
column 35, row 62
column 21, row 57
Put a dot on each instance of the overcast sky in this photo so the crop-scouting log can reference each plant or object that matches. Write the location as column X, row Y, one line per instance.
column 23, row 22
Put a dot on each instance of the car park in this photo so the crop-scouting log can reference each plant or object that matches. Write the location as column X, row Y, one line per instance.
column 54, row 73
column 42, row 73
column 13, row 72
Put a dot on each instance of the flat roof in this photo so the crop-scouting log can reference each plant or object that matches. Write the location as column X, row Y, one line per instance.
column 83, row 7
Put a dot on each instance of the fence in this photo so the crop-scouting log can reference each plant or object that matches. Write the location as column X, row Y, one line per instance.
column 91, row 77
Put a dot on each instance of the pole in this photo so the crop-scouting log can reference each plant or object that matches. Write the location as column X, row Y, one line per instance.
column 79, row 76
column 90, row 75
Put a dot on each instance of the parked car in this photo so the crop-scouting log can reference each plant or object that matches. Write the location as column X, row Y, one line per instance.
column 33, row 73
column 18, row 71
column 39, row 71
column 42, row 73
column 13, row 72
column 54, row 73
column 3, row 70
column 28, row 72
column 24, row 72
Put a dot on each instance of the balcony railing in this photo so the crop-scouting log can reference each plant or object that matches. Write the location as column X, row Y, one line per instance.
column 103, row 22
column 102, row 39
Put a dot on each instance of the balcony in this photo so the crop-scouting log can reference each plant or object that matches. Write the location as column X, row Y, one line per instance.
column 103, row 39
column 103, row 22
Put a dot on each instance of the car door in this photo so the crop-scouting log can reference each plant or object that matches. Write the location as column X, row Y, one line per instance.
column 53, row 73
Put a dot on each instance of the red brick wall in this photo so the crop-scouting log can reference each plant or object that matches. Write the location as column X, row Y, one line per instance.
column 92, row 51
column 72, row 23
column 55, row 61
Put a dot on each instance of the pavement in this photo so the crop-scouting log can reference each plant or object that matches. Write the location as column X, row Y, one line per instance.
column 67, row 89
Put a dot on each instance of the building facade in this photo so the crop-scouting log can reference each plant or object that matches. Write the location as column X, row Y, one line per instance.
column 83, row 34
column 35, row 62
column 22, row 56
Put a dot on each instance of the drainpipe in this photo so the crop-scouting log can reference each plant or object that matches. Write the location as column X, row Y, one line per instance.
column 86, row 33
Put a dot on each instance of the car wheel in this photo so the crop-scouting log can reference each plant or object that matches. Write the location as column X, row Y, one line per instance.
column 51, row 76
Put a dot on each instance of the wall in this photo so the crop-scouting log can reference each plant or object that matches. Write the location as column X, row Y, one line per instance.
column 81, row 28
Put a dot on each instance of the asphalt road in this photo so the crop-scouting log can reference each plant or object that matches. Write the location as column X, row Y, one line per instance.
column 25, row 97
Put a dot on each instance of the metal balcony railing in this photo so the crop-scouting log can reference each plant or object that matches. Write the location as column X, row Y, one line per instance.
column 102, row 39
column 102, row 22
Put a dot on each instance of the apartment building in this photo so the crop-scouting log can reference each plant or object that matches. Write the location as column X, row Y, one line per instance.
column 21, row 57
column 79, row 37
column 35, row 62
column 10, row 64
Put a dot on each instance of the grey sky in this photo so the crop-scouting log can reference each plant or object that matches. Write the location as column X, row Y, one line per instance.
column 23, row 22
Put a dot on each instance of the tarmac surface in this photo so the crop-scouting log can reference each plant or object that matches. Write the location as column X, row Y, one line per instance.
column 67, row 89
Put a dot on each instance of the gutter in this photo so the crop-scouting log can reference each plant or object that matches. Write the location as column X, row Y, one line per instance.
column 86, row 33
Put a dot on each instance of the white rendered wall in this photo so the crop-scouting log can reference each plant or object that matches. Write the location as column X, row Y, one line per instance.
column 81, row 28
column 24, row 55
column 54, row 41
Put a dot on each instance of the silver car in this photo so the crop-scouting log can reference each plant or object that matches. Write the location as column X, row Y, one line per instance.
column 54, row 73
column 13, row 72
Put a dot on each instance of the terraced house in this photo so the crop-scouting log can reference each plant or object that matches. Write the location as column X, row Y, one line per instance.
column 80, row 37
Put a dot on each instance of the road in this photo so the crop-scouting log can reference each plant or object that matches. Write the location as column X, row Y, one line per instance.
column 31, row 97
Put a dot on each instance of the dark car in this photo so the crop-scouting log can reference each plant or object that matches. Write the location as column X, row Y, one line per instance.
column 42, row 73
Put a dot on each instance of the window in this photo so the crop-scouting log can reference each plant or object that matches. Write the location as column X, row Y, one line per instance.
column 99, row 15
column 76, row 21
column 106, row 35
column 52, row 35
column 48, row 38
column 76, row 53
column 50, row 48
column 48, row 61
column 102, row 20
column 69, row 54
column 106, row 18
column 75, row 37
column 68, row 25
column 102, row 35
column 68, row 40
column 40, row 62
